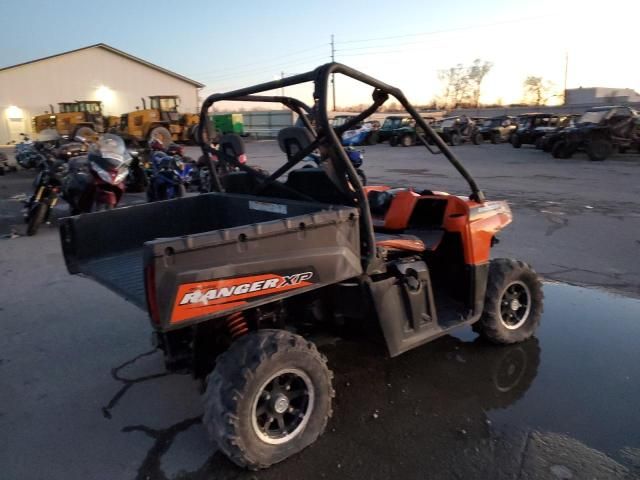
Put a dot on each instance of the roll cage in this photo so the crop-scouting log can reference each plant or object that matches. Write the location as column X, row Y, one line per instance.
column 339, row 169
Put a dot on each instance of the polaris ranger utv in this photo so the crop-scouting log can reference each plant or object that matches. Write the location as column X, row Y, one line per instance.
column 234, row 280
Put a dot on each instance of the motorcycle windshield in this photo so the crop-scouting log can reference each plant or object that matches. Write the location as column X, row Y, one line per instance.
column 110, row 152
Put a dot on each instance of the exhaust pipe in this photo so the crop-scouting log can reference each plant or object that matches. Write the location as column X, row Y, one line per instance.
column 144, row 104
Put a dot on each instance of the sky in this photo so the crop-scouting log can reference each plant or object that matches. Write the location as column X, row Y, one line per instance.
column 405, row 44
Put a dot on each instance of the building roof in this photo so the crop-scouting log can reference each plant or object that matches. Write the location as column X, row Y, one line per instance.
column 117, row 52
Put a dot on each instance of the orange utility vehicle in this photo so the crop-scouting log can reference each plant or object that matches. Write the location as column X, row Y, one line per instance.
column 237, row 281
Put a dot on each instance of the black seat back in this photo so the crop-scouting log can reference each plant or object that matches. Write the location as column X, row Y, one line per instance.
column 231, row 144
column 315, row 183
column 294, row 139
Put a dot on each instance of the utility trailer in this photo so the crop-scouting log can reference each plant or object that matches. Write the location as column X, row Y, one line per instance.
column 235, row 280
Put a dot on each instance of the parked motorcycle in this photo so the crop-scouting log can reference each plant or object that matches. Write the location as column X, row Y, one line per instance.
column 170, row 177
column 47, row 186
column 97, row 181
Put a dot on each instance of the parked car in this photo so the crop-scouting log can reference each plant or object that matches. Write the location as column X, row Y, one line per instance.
column 600, row 131
column 497, row 129
column 532, row 126
column 390, row 124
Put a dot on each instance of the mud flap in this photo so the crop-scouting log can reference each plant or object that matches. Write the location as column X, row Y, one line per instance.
column 405, row 307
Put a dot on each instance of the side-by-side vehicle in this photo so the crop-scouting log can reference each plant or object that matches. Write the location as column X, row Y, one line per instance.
column 238, row 281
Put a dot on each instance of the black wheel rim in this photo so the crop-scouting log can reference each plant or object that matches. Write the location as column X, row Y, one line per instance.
column 515, row 305
column 283, row 406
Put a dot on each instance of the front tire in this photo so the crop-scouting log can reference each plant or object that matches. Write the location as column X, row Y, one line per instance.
column 362, row 176
column 516, row 141
column 268, row 398
column 513, row 302
column 456, row 139
column 37, row 216
column 478, row 139
column 406, row 141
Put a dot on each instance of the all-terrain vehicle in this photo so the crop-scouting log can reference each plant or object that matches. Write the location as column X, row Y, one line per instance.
column 497, row 129
column 408, row 133
column 237, row 282
column 552, row 135
column 458, row 130
column 390, row 124
column 599, row 131
column 532, row 126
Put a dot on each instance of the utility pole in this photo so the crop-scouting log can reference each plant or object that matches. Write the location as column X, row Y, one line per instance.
column 566, row 73
column 333, row 75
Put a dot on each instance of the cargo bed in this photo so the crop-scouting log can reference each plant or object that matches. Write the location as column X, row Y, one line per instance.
column 198, row 246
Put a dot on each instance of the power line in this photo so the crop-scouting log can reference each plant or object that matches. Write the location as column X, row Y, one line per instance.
column 262, row 68
column 240, row 79
column 449, row 30
column 253, row 64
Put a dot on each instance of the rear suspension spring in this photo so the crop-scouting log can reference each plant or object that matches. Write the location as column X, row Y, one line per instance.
column 237, row 325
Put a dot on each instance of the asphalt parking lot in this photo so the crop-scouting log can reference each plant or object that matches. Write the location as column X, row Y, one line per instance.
column 84, row 396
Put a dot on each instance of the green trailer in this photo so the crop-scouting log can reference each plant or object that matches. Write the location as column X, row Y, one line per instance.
column 228, row 123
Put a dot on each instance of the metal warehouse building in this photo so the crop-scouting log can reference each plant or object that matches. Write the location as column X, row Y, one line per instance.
column 97, row 72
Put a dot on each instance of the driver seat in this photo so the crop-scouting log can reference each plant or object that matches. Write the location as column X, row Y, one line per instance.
column 294, row 139
column 231, row 144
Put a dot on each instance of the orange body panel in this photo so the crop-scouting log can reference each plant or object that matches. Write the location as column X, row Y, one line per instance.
column 477, row 223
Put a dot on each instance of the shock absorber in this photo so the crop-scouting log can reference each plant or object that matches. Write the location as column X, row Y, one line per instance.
column 237, row 325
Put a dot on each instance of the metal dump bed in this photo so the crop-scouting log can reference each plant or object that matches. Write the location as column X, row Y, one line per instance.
column 209, row 255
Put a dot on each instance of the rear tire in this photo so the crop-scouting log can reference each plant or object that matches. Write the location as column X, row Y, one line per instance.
column 513, row 302
column 477, row 139
column 247, row 396
column 456, row 139
column 36, row 217
column 495, row 138
column 599, row 149
column 393, row 141
column 516, row 141
column 362, row 176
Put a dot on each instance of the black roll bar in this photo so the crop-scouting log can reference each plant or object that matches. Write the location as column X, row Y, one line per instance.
column 320, row 77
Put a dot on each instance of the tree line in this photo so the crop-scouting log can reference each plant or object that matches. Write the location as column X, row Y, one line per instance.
column 462, row 86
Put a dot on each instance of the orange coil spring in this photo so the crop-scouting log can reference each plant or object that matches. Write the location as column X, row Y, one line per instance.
column 237, row 325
